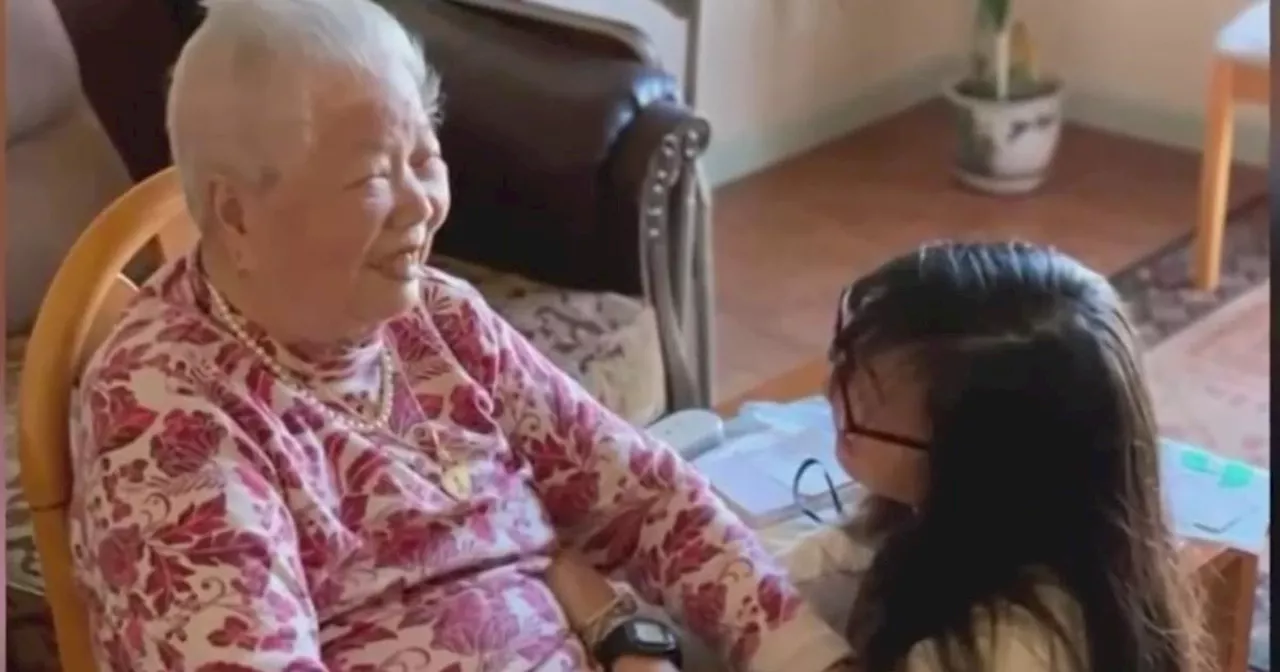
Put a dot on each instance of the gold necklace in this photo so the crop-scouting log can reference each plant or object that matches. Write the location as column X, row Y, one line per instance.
column 454, row 478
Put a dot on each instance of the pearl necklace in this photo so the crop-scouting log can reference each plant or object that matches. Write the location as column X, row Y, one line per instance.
column 351, row 419
column 455, row 478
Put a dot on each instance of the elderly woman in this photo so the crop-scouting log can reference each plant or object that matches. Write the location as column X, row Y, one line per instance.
column 303, row 449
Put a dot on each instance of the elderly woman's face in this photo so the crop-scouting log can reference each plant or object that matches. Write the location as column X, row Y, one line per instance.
column 335, row 246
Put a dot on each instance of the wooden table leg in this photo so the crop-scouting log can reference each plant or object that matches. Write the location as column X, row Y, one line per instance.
column 1215, row 172
column 1229, row 582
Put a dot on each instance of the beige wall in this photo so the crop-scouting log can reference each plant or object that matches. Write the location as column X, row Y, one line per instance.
column 779, row 76
column 1150, row 51
column 781, row 63
column 776, row 77
column 1141, row 66
column 666, row 31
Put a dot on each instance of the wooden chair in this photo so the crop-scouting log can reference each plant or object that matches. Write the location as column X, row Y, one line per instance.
column 1241, row 74
column 84, row 301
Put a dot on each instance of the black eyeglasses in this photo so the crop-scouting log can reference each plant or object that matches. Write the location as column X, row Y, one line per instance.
column 853, row 428
column 797, row 491
column 836, row 356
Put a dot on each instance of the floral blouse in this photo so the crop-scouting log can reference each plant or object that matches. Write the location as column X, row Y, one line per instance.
column 222, row 522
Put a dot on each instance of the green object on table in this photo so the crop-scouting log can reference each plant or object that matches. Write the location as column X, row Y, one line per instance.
column 1231, row 473
column 1236, row 475
column 1196, row 460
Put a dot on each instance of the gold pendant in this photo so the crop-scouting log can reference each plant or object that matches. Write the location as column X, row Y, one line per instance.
column 456, row 481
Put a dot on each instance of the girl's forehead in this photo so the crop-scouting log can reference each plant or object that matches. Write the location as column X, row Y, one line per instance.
column 886, row 374
column 877, row 366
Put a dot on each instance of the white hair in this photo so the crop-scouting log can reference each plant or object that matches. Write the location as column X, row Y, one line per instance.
column 239, row 99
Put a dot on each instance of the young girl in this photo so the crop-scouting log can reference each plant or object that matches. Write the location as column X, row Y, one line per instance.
column 990, row 398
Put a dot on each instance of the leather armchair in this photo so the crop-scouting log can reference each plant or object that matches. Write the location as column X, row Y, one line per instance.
column 574, row 163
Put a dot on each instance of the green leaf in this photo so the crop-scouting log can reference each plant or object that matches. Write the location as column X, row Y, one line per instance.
column 995, row 13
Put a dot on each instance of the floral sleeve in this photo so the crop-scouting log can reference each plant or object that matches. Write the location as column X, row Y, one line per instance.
column 631, row 504
column 186, row 552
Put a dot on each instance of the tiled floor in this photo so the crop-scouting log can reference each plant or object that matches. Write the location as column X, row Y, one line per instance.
column 788, row 238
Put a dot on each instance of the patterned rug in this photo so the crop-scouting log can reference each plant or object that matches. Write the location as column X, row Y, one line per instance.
column 1209, row 358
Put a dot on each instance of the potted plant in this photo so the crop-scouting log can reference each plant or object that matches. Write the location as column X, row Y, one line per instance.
column 1009, row 114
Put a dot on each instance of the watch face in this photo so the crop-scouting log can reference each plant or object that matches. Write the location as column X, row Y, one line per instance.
column 649, row 633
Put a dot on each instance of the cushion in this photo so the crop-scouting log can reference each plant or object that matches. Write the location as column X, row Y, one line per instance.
column 608, row 342
column 1248, row 36
column 58, row 179
column 42, row 81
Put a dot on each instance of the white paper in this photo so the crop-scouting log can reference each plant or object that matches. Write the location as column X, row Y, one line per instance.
column 783, row 459
column 1214, row 499
column 734, row 471
column 756, row 467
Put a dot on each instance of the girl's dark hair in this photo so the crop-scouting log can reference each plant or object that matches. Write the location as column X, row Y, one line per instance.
column 1043, row 462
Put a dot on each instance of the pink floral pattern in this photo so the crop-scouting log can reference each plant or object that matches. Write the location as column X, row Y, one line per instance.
column 221, row 523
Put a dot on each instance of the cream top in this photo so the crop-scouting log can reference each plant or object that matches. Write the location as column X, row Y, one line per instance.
column 828, row 565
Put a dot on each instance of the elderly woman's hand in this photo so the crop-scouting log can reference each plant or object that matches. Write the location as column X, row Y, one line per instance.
column 585, row 594
column 582, row 591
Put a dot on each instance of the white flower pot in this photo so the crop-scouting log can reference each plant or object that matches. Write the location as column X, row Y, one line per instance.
column 1006, row 146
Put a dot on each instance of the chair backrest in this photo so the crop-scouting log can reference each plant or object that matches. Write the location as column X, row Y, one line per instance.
column 83, row 303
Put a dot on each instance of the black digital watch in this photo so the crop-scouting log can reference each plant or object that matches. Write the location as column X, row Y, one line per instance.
column 640, row 637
